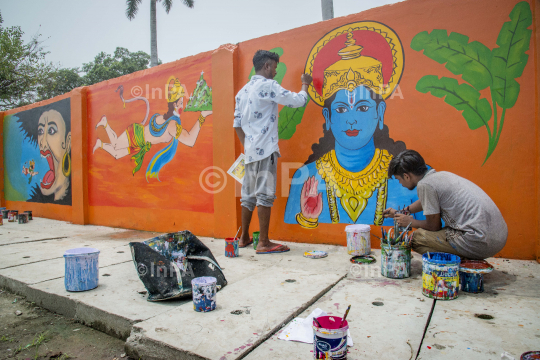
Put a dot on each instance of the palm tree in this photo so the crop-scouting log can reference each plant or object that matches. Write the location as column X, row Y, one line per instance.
column 131, row 11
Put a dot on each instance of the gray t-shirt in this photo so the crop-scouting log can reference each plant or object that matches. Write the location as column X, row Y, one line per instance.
column 474, row 225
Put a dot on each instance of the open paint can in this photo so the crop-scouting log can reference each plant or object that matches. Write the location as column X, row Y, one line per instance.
column 395, row 261
column 471, row 275
column 358, row 239
column 5, row 213
column 231, row 247
column 330, row 340
column 256, row 235
column 204, row 293
column 23, row 218
column 530, row 355
column 440, row 275
column 82, row 269
column 1, row 220
column 11, row 216
column 29, row 214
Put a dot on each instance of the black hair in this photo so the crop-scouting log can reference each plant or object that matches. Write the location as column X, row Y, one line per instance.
column 29, row 119
column 381, row 138
column 261, row 57
column 170, row 111
column 408, row 161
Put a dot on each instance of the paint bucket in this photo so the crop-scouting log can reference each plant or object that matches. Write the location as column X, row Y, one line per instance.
column 204, row 293
column 471, row 275
column 440, row 275
column 82, row 269
column 5, row 213
column 23, row 218
column 330, row 340
column 1, row 220
column 15, row 214
column 358, row 239
column 11, row 216
column 395, row 261
column 256, row 239
column 231, row 247
column 29, row 215
column 530, row 355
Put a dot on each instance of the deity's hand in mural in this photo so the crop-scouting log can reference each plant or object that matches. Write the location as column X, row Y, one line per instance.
column 137, row 139
column 350, row 163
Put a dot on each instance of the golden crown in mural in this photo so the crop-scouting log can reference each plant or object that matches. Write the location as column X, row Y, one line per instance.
column 355, row 69
column 175, row 90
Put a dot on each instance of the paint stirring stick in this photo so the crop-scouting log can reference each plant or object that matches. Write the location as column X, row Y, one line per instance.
column 235, row 236
column 345, row 316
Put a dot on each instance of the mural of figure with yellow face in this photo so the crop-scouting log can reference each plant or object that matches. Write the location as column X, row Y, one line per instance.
column 137, row 139
column 355, row 68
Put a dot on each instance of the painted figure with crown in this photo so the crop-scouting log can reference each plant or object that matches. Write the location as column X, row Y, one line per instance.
column 167, row 128
column 355, row 68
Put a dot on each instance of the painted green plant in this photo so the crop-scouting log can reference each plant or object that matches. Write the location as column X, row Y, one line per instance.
column 288, row 118
column 481, row 68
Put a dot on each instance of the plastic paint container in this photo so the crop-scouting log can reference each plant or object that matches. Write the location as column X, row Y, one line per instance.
column 256, row 239
column 204, row 293
column 29, row 215
column 358, row 239
column 82, row 269
column 23, row 218
column 440, row 275
column 530, row 355
column 471, row 275
column 395, row 261
column 330, row 340
column 231, row 247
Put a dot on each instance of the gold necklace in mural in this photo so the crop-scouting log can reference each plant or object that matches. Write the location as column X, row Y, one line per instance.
column 355, row 188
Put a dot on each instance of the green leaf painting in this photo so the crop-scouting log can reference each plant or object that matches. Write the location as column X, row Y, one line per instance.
column 480, row 67
column 288, row 118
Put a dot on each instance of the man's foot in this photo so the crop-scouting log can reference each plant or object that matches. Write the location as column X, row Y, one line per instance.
column 97, row 146
column 270, row 247
column 245, row 243
column 102, row 122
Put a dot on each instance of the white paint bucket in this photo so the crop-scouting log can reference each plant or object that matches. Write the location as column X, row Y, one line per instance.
column 358, row 239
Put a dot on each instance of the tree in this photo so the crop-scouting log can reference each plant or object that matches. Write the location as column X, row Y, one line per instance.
column 59, row 82
column 122, row 62
column 22, row 67
column 131, row 11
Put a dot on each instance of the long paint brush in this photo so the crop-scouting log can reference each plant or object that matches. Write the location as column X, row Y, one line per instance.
column 345, row 316
column 237, row 232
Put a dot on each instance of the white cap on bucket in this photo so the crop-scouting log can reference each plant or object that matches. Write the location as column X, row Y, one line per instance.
column 358, row 228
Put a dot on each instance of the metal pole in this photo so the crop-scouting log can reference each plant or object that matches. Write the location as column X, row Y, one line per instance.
column 327, row 9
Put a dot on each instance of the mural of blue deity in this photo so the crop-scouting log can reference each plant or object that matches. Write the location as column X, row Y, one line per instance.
column 37, row 154
column 355, row 68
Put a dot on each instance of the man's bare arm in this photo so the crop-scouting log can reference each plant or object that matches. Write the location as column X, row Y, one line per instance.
column 241, row 135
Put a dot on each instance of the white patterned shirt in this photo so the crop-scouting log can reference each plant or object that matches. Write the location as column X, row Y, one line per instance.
column 256, row 112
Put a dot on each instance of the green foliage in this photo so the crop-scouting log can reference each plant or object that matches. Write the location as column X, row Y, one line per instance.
column 476, row 111
column 289, row 118
column 22, row 67
column 59, row 82
column 481, row 68
column 122, row 62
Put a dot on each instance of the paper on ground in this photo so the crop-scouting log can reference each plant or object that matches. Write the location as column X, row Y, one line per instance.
column 300, row 329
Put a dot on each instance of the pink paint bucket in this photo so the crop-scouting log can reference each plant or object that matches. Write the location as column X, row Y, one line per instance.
column 330, row 340
column 231, row 247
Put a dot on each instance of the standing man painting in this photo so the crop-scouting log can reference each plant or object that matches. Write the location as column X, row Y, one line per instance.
column 255, row 122
column 475, row 227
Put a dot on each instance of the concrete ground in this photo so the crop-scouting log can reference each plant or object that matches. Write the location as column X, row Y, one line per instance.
column 387, row 316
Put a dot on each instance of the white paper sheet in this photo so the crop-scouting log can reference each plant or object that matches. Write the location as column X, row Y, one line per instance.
column 300, row 329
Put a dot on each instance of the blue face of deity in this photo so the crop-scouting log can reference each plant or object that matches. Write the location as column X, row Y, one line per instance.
column 353, row 117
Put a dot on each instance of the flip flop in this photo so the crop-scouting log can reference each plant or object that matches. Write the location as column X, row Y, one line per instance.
column 275, row 250
column 249, row 243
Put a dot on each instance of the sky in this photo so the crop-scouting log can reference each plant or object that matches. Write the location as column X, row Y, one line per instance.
column 75, row 31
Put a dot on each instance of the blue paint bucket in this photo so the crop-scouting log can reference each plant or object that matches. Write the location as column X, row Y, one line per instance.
column 471, row 275
column 440, row 275
column 330, row 340
column 82, row 269
column 204, row 293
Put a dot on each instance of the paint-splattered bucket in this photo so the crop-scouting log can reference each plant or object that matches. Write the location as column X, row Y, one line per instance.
column 330, row 340
column 11, row 216
column 440, row 275
column 5, row 213
column 82, row 269
column 358, row 239
column 29, row 214
column 23, row 218
column 231, row 247
column 1, row 220
column 204, row 293
column 530, row 355
column 395, row 261
column 256, row 235
column 471, row 275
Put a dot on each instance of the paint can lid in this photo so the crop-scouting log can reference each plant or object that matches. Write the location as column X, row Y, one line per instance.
column 363, row 259
column 315, row 254
column 80, row 252
column 357, row 227
column 475, row 267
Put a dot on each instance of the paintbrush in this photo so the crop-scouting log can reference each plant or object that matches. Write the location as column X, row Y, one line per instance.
column 237, row 232
column 345, row 316
column 317, row 322
column 376, row 236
